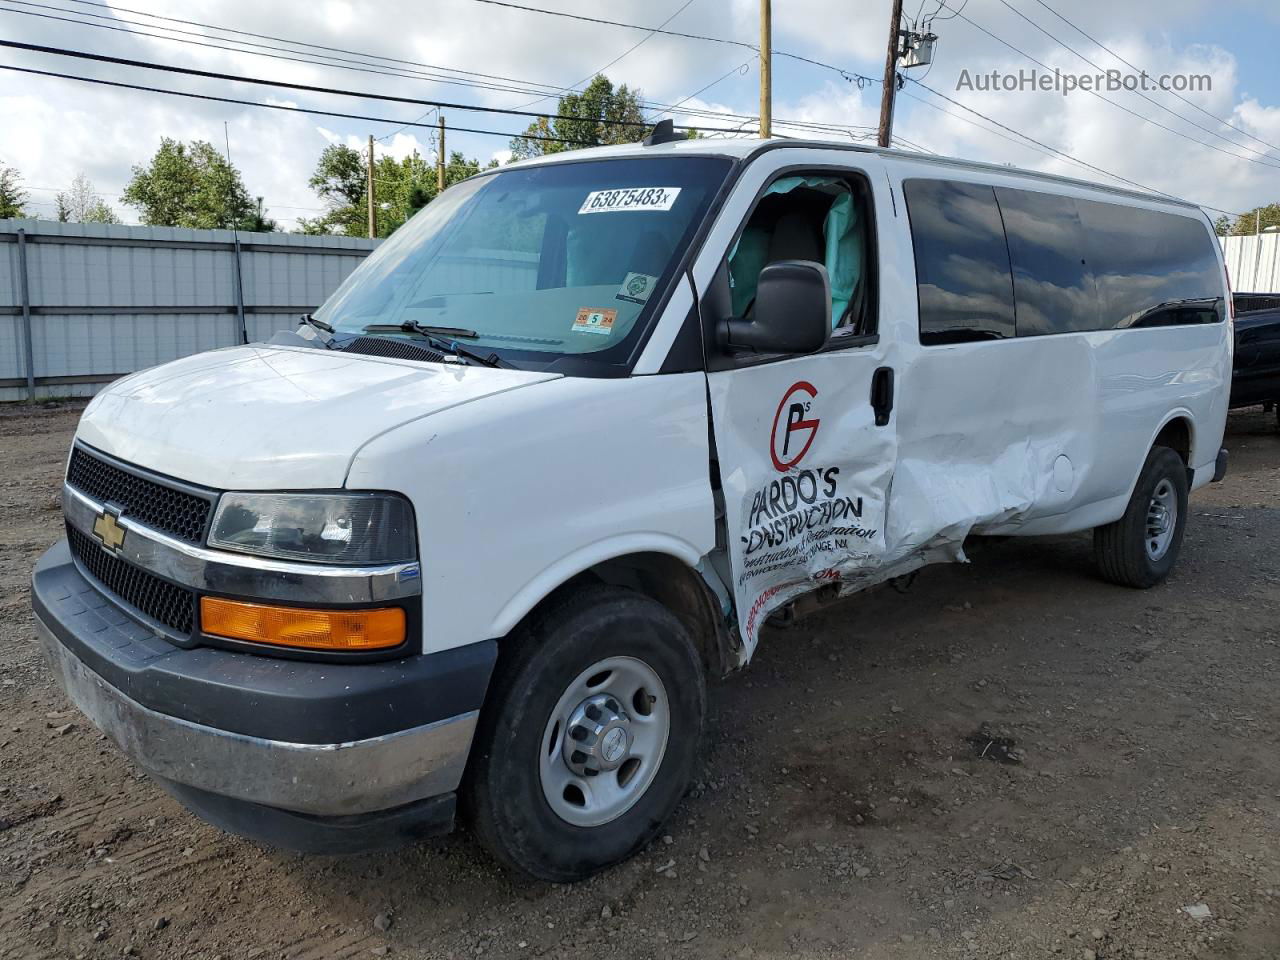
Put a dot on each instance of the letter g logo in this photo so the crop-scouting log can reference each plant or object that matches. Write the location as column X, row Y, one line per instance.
column 793, row 430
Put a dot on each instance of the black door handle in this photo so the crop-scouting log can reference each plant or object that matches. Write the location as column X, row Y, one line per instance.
column 882, row 394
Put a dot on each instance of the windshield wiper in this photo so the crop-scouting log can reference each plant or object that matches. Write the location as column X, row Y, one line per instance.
column 443, row 338
column 311, row 321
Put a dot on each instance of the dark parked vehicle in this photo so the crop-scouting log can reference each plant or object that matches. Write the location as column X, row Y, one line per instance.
column 1256, row 374
column 1248, row 302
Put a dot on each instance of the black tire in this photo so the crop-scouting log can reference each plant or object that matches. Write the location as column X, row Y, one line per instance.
column 1120, row 548
column 502, row 794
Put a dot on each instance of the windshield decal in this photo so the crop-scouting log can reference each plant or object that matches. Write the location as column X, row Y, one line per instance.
column 630, row 199
column 595, row 320
column 636, row 287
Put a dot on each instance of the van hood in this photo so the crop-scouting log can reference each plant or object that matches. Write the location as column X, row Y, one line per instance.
column 275, row 418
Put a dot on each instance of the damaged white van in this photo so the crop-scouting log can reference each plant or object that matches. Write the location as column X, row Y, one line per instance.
column 471, row 539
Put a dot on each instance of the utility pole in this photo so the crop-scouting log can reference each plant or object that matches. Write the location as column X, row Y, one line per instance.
column 440, row 157
column 766, row 70
column 890, row 90
column 373, row 217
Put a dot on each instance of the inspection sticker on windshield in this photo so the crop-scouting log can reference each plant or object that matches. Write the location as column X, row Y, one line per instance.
column 630, row 199
column 636, row 287
column 593, row 320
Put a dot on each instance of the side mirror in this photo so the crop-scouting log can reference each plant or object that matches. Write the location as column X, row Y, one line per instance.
column 792, row 311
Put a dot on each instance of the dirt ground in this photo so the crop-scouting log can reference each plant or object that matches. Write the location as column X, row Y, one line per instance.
column 1010, row 759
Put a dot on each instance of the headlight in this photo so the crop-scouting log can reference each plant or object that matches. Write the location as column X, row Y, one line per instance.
column 345, row 528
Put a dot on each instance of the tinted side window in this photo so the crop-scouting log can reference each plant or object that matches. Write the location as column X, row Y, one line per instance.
column 1153, row 268
column 962, row 262
column 1053, row 284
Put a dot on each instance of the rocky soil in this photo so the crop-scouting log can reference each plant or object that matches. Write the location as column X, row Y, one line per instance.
column 1010, row 759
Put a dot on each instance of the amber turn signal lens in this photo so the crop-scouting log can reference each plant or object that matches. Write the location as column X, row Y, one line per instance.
column 350, row 630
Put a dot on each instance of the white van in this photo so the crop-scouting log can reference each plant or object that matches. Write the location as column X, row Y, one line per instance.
column 474, row 535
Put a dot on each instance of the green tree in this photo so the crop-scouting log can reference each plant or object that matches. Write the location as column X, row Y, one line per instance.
column 587, row 111
column 401, row 188
column 81, row 204
column 1222, row 226
column 12, row 196
column 1259, row 217
column 192, row 185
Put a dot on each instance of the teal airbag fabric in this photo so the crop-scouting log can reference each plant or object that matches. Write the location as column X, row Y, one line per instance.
column 842, row 254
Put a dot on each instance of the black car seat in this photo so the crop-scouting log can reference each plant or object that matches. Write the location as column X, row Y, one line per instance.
column 796, row 236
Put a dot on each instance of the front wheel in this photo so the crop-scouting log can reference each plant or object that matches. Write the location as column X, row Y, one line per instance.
column 1140, row 548
column 589, row 737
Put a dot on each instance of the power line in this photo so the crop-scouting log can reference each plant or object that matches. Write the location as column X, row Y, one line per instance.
column 1190, row 103
column 416, row 101
column 1061, row 153
column 527, row 87
column 307, row 59
column 417, row 121
column 648, row 105
column 914, row 146
column 1140, row 93
column 331, row 113
column 847, row 74
column 626, row 53
column 1119, row 106
column 1055, row 150
column 740, row 69
column 363, row 95
column 973, row 123
column 120, row 196
column 296, row 43
column 941, row 4
column 275, row 106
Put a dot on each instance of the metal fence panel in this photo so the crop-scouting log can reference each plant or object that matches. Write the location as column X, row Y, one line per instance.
column 108, row 299
column 1253, row 263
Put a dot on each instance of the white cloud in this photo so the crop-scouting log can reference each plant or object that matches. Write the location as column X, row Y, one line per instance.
column 56, row 128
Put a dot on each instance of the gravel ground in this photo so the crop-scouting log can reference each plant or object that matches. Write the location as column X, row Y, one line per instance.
column 1010, row 759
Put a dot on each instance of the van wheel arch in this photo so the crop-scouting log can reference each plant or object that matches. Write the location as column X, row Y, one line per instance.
column 671, row 582
column 1178, row 434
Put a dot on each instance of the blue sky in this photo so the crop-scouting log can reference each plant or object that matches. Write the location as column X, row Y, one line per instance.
column 55, row 129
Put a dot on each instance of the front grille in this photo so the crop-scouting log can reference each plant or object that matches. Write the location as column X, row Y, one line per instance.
column 160, row 600
column 172, row 511
column 396, row 349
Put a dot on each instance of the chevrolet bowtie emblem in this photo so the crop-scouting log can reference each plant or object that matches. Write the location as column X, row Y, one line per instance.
column 106, row 529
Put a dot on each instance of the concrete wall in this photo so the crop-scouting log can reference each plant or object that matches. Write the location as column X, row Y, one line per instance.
column 106, row 300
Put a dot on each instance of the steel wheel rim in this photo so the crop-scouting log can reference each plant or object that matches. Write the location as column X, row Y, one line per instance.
column 625, row 746
column 1162, row 519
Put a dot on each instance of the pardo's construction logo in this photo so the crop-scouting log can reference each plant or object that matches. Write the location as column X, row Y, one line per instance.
column 794, row 429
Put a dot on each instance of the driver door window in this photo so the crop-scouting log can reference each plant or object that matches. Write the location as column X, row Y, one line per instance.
column 824, row 219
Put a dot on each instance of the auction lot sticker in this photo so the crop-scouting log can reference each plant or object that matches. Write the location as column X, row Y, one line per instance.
column 630, row 199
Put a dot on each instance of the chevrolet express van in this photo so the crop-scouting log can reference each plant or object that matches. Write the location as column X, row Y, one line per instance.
column 471, row 539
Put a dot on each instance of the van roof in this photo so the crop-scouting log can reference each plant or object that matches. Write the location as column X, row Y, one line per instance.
column 744, row 148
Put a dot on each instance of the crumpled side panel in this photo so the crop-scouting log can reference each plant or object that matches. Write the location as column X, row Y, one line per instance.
column 805, row 474
column 982, row 437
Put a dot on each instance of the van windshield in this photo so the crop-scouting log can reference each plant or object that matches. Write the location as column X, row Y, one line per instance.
column 557, row 265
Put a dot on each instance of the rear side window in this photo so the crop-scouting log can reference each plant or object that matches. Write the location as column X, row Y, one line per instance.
column 1053, row 283
column 963, row 275
column 1153, row 269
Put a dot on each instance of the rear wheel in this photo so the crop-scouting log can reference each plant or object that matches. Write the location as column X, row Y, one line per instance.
column 1140, row 548
column 589, row 737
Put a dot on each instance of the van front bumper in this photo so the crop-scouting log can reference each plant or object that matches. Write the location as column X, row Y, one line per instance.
column 246, row 739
